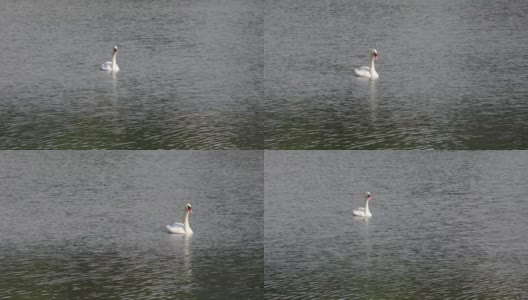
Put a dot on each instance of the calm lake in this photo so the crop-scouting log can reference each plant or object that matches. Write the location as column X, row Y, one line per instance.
column 445, row 225
column 452, row 75
column 190, row 78
column 92, row 225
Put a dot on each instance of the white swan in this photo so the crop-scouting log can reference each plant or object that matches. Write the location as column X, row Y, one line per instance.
column 363, row 211
column 366, row 71
column 111, row 65
column 182, row 228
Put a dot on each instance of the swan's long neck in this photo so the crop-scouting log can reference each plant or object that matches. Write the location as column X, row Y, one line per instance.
column 367, row 211
column 114, row 60
column 372, row 70
column 186, row 226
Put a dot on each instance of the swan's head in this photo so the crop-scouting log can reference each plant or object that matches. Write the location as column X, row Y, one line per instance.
column 367, row 196
column 188, row 208
column 374, row 54
column 115, row 49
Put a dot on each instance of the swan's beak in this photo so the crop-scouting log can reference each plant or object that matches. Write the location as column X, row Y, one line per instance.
column 375, row 56
column 190, row 210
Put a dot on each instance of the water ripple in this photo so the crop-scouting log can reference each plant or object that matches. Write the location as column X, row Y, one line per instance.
column 440, row 229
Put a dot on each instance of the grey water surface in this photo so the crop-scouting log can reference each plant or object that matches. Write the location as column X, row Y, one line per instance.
column 445, row 225
column 452, row 75
column 91, row 225
column 190, row 78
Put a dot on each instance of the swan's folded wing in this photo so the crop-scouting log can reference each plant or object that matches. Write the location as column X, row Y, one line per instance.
column 359, row 211
column 176, row 228
column 107, row 66
column 363, row 71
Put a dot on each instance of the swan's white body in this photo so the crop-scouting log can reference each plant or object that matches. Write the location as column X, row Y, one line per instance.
column 184, row 228
column 363, row 211
column 366, row 71
column 111, row 65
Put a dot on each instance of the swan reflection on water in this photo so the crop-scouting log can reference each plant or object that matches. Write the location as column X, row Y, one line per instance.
column 114, row 83
column 181, row 244
column 373, row 100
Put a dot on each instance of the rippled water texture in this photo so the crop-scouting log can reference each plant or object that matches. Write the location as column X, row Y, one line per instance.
column 191, row 74
column 452, row 75
column 92, row 225
column 445, row 225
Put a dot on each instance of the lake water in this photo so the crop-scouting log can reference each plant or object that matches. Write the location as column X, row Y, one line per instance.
column 214, row 75
column 445, row 225
column 190, row 78
column 92, row 225
column 452, row 74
